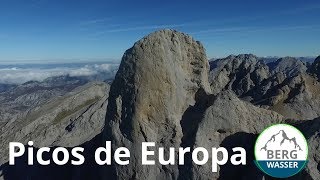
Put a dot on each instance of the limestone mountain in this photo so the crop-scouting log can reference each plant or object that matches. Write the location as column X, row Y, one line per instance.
column 238, row 73
column 158, row 79
column 283, row 86
column 161, row 94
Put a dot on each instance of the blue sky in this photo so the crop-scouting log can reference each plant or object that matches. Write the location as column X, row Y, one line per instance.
column 56, row 30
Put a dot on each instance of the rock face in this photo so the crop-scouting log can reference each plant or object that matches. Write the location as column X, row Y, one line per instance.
column 237, row 125
column 311, row 129
column 65, row 121
column 315, row 67
column 157, row 81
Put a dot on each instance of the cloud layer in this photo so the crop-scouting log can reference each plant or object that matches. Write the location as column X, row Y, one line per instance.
column 18, row 75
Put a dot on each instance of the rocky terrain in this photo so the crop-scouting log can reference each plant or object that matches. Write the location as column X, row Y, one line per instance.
column 19, row 99
column 167, row 92
column 284, row 86
column 69, row 120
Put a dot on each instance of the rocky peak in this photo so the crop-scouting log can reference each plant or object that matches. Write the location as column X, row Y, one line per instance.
column 158, row 79
column 232, row 62
column 238, row 73
column 288, row 65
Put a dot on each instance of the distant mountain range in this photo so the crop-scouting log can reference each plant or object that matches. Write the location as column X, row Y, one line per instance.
column 268, row 59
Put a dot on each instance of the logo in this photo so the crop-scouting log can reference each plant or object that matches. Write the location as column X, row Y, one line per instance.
column 281, row 151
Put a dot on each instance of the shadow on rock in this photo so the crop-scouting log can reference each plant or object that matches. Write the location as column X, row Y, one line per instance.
column 190, row 123
column 249, row 171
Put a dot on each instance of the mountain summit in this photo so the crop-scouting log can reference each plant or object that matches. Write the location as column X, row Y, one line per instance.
column 158, row 79
column 161, row 94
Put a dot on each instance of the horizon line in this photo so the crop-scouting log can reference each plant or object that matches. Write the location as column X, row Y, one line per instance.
column 113, row 60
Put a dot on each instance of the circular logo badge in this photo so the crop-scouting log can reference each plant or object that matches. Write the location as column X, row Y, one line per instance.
column 281, row 151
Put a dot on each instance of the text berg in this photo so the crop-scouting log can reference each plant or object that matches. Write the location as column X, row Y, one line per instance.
column 281, row 154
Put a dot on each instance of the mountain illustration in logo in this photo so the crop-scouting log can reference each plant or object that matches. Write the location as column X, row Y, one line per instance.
column 284, row 138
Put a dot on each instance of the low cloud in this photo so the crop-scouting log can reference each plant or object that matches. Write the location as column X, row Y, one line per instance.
column 19, row 75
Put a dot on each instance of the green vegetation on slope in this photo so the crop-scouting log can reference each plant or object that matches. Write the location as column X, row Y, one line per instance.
column 65, row 113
